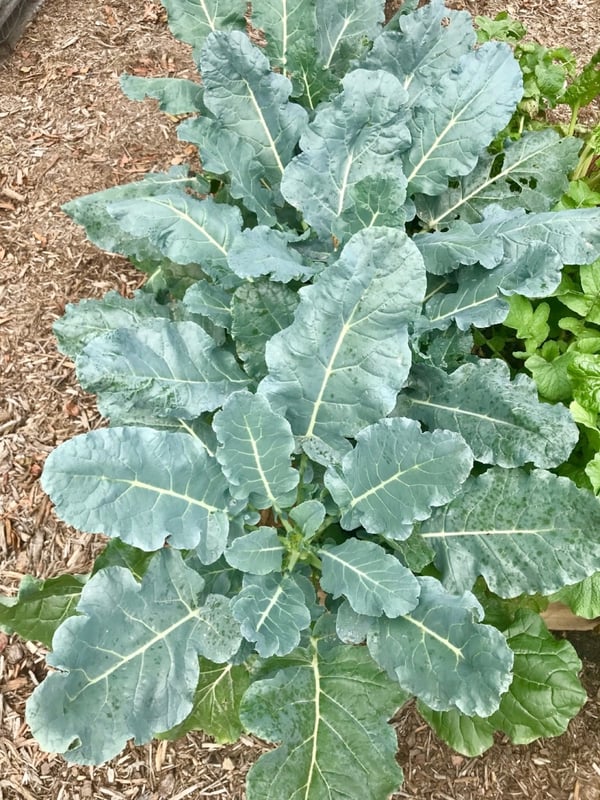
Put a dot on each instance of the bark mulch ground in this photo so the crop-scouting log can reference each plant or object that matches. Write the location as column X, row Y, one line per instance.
column 66, row 130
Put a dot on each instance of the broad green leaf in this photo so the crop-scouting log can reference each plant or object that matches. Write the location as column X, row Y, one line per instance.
column 480, row 294
column 265, row 251
column 552, row 377
column 193, row 20
column 258, row 553
column 586, row 86
column 450, row 349
column 127, row 665
column 544, row 696
column 186, row 230
column 342, row 361
column 255, row 451
column 209, row 300
column 376, row 200
column 352, row 628
column 573, row 234
column 502, row 421
column 470, row 736
column 260, row 310
column 216, row 703
column 530, row 324
column 395, row 474
column 584, row 375
column 414, row 552
column 174, row 95
column 344, row 28
column 425, row 47
column 91, row 212
column 583, row 598
column 470, row 104
column 285, row 26
column 543, row 535
column 272, row 612
column 545, row 693
column 118, row 554
column 85, row 320
column 309, row 516
column 173, row 369
column 142, row 486
column 249, row 99
column 374, row 582
column 224, row 152
column 356, row 136
column 530, row 173
column 329, row 711
column 40, row 606
column 443, row 654
column 585, row 302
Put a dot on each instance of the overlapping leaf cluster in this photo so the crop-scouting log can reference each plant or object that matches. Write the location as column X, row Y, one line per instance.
column 304, row 452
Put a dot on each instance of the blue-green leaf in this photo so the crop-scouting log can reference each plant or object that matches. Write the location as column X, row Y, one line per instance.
column 142, row 486
column 209, row 300
column 127, row 665
column 469, row 105
column 342, row 361
column 186, row 230
column 286, row 26
column 265, row 251
column 443, row 654
column 85, row 320
column 374, row 582
column 425, row 48
column 173, row 369
column 91, row 212
column 530, row 173
column 344, row 28
column 259, row 310
column 357, row 136
column 309, row 516
column 573, row 234
column 395, row 474
column 543, row 535
column 272, row 612
column 258, row 553
column 193, row 20
column 250, row 100
column 328, row 710
column 225, row 152
column 351, row 627
column 255, row 451
column 479, row 297
column 174, row 95
column 502, row 421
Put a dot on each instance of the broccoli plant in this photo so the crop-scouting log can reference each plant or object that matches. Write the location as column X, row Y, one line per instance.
column 322, row 500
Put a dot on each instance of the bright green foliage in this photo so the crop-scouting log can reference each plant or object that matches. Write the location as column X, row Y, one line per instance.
column 216, row 703
column 322, row 292
column 543, row 696
column 41, row 606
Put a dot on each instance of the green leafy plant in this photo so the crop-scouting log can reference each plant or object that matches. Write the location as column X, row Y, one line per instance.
column 550, row 75
column 306, row 451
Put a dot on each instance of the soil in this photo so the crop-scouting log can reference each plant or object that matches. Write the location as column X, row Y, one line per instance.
column 66, row 130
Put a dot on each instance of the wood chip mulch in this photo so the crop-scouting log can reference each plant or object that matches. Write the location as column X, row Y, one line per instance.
column 66, row 130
